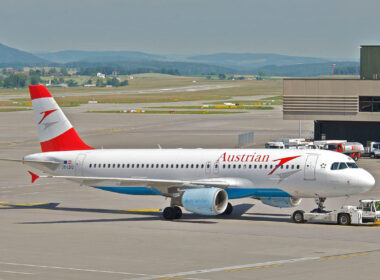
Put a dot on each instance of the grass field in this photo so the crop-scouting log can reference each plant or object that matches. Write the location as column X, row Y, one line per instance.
column 194, row 112
column 215, row 108
column 240, row 88
column 5, row 110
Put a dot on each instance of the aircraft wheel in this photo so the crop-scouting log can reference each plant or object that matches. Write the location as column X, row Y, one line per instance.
column 169, row 213
column 344, row 219
column 298, row 217
column 178, row 212
column 228, row 210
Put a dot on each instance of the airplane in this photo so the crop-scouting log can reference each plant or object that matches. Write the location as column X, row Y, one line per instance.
column 202, row 181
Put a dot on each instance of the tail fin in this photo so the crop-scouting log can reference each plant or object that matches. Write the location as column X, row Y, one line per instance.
column 54, row 130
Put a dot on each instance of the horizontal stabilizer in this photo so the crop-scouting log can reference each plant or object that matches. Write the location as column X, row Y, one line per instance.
column 34, row 176
column 49, row 164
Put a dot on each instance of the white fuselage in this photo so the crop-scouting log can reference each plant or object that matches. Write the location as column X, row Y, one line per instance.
column 251, row 172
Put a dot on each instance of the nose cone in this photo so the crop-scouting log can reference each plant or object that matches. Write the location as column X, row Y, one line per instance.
column 365, row 180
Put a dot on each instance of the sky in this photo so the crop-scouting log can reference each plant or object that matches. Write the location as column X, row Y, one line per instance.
column 318, row 28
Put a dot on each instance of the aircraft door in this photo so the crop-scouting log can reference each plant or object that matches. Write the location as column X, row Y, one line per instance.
column 208, row 168
column 79, row 164
column 310, row 164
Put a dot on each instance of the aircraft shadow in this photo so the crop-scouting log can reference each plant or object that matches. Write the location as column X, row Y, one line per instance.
column 239, row 213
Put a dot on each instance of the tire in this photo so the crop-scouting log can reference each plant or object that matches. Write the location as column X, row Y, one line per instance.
column 169, row 213
column 228, row 210
column 178, row 212
column 344, row 219
column 356, row 157
column 298, row 217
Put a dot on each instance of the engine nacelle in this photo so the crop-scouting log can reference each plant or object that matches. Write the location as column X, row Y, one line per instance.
column 281, row 202
column 205, row 201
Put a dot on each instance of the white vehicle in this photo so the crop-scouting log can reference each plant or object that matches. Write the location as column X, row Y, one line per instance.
column 274, row 145
column 202, row 181
column 373, row 149
column 368, row 212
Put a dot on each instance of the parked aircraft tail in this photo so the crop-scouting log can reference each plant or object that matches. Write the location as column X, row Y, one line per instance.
column 54, row 130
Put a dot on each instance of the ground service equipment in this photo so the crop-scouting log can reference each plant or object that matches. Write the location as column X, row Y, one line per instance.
column 368, row 212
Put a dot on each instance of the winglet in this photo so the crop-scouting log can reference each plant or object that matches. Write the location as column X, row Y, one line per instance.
column 34, row 176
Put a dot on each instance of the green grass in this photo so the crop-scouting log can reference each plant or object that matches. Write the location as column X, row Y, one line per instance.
column 4, row 110
column 169, row 112
column 213, row 108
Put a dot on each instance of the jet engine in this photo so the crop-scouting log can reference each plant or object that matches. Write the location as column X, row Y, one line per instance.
column 205, row 201
column 281, row 202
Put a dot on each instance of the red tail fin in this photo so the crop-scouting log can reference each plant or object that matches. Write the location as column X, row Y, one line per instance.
column 54, row 130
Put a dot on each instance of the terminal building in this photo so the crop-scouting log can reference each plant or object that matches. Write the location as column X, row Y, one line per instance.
column 341, row 108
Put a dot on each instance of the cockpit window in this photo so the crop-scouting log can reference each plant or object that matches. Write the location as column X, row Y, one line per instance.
column 342, row 165
column 334, row 166
column 351, row 165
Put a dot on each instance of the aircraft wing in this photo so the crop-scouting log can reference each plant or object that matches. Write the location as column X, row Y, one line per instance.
column 162, row 185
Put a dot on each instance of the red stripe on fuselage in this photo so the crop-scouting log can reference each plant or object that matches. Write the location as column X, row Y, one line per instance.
column 38, row 91
column 68, row 141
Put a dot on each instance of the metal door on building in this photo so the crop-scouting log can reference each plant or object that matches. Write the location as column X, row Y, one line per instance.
column 310, row 165
column 79, row 164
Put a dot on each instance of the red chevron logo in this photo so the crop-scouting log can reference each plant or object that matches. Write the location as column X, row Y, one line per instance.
column 46, row 113
column 282, row 162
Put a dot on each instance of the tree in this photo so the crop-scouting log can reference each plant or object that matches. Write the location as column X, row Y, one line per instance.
column 64, row 71
column 72, row 83
column 52, row 71
column 222, row 76
column 124, row 83
column 1, row 81
column 35, row 79
column 15, row 81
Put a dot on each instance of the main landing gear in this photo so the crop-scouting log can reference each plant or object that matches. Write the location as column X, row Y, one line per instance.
column 171, row 213
column 320, row 203
column 175, row 212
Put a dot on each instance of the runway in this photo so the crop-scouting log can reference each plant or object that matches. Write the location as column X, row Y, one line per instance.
column 60, row 230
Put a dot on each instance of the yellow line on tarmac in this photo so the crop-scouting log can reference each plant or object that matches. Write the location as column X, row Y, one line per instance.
column 342, row 257
column 254, row 267
column 177, row 277
column 142, row 210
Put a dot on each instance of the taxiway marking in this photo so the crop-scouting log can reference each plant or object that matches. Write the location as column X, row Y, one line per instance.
column 254, row 267
column 76, row 269
column 342, row 257
column 15, row 272
column 227, row 268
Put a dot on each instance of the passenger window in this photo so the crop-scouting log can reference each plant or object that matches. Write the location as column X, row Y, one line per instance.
column 118, row 166
column 142, row 165
column 167, row 165
column 208, row 165
column 90, row 165
column 287, row 166
column 265, row 166
column 292, row 166
column 334, row 166
column 224, row 166
column 298, row 167
column 123, row 166
column 202, row 166
column 133, row 165
column 234, row 166
column 229, row 166
column 172, row 165
column 239, row 166
column 250, row 166
column 181, row 165
column 187, row 166
column 342, row 165
column 192, row 166
column 137, row 165
column 176, row 166
column 113, row 165
column 197, row 166
column 260, row 166
column 147, row 166
column 282, row 167
column 162, row 166
column 128, row 165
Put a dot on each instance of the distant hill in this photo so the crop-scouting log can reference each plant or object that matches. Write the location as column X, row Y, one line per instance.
column 309, row 70
column 96, row 56
column 9, row 56
column 249, row 61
